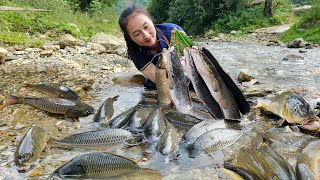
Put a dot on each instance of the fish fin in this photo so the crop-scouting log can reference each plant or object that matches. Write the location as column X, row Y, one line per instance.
column 241, row 101
column 215, row 84
column 115, row 98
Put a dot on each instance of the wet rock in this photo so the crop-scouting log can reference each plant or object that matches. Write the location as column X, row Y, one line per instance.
column 209, row 34
column 244, row 77
column 50, row 46
column 19, row 52
column 67, row 40
column 309, row 46
column 18, row 126
column 292, row 57
column 108, row 68
column 18, row 48
column 302, row 51
column 297, row 43
column 3, row 54
column 98, row 47
column 47, row 52
column 111, row 43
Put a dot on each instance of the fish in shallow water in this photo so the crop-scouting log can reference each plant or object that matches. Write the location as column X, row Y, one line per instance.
column 289, row 106
column 217, row 87
column 155, row 125
column 31, row 145
column 54, row 90
column 181, row 120
column 102, row 140
column 101, row 165
column 168, row 143
column 122, row 119
column 106, row 110
column 162, row 83
column 214, row 140
column 72, row 109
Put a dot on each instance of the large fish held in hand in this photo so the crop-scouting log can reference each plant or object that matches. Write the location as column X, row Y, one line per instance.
column 291, row 107
column 54, row 90
column 215, row 84
column 200, row 87
column 162, row 84
column 178, row 87
column 31, row 145
column 70, row 108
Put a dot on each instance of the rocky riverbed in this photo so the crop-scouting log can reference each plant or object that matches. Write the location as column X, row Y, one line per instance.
column 100, row 73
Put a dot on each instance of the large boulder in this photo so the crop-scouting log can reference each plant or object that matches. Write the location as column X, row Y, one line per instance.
column 3, row 54
column 67, row 40
column 111, row 43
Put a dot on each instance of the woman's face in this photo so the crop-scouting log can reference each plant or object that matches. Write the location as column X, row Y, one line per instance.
column 141, row 30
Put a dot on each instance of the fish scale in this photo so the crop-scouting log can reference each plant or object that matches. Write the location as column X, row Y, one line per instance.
column 96, row 140
column 97, row 164
column 214, row 140
column 53, row 105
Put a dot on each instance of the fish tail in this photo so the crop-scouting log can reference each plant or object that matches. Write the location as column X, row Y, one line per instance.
column 12, row 100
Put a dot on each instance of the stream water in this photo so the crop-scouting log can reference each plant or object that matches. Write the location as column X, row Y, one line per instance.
column 266, row 64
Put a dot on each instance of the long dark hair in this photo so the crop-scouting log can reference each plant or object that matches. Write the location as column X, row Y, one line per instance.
column 123, row 22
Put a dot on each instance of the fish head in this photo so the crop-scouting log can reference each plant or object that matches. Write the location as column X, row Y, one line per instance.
column 70, row 169
column 162, row 61
column 80, row 110
column 24, row 158
column 297, row 110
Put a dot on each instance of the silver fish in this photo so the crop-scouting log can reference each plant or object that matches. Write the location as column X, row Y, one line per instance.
column 214, row 140
column 216, row 85
column 97, row 164
column 139, row 118
column 169, row 142
column 155, row 125
column 200, row 87
column 185, row 121
column 31, row 145
column 122, row 119
column 102, row 140
column 105, row 111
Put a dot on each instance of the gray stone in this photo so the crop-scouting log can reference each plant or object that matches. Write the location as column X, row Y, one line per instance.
column 47, row 52
column 111, row 43
column 67, row 40
column 292, row 57
column 3, row 54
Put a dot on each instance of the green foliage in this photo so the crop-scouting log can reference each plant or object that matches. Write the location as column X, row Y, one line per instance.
column 159, row 10
column 195, row 16
column 308, row 27
column 251, row 18
column 17, row 38
column 61, row 20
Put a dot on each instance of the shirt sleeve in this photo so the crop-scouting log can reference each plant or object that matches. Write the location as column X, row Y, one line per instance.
column 139, row 60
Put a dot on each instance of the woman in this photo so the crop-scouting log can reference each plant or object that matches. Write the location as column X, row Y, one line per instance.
column 145, row 40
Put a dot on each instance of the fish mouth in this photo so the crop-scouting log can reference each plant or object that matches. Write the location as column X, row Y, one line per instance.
column 311, row 124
